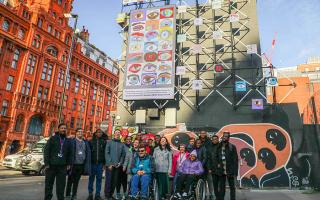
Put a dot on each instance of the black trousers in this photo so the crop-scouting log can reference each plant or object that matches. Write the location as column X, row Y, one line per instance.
column 57, row 173
column 123, row 181
column 187, row 180
column 215, row 180
column 115, row 181
column 222, row 187
column 73, row 179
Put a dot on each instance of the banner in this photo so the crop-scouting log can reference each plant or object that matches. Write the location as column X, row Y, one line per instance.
column 150, row 64
column 127, row 2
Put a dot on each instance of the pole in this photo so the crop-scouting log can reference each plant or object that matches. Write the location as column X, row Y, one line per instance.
column 68, row 67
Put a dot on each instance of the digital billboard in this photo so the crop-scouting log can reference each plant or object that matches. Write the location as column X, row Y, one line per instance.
column 150, row 61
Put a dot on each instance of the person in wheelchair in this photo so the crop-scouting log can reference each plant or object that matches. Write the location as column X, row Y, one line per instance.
column 190, row 172
column 142, row 168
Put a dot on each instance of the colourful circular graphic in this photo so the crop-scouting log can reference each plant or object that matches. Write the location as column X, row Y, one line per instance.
column 164, row 67
column 138, row 16
column 135, row 68
column 149, row 67
column 151, row 47
column 167, row 12
column 164, row 56
column 150, row 57
column 165, row 34
column 153, row 15
column 151, row 35
column 138, row 27
column 166, row 22
column 133, row 79
column 149, row 79
column 164, row 78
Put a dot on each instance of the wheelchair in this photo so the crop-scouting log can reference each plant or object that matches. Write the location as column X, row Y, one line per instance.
column 197, row 191
column 153, row 193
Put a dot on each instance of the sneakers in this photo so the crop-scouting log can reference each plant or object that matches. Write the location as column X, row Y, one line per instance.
column 67, row 198
column 90, row 197
column 177, row 195
column 185, row 194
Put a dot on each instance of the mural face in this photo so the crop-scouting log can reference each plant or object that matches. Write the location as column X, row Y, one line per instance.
column 264, row 151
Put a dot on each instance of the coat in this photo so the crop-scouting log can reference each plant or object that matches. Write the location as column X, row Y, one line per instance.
column 232, row 164
column 175, row 162
column 130, row 155
column 191, row 167
column 145, row 164
column 163, row 160
column 115, row 153
column 97, row 146
column 87, row 162
column 202, row 155
column 212, row 163
column 52, row 149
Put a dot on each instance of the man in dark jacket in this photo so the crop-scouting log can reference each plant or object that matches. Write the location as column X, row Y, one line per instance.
column 114, row 155
column 97, row 145
column 227, row 166
column 81, row 163
column 212, row 165
column 57, row 160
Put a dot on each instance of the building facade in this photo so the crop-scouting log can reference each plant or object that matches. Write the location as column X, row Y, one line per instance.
column 35, row 39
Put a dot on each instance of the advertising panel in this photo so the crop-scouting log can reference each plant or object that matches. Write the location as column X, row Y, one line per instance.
column 150, row 63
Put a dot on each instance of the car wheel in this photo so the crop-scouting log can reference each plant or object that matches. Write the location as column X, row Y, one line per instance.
column 26, row 173
column 42, row 172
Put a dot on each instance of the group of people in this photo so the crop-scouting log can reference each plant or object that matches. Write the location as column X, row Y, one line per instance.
column 131, row 164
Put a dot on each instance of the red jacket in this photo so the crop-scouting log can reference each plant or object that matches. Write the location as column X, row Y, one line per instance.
column 175, row 161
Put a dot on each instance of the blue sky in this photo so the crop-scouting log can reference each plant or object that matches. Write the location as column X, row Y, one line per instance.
column 296, row 22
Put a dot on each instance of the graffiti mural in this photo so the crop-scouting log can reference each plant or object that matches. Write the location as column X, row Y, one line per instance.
column 264, row 151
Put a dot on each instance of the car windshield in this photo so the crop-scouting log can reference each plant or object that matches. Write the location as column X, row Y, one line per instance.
column 38, row 148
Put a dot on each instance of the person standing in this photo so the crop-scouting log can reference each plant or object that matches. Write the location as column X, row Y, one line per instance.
column 81, row 163
column 227, row 162
column 201, row 152
column 97, row 146
column 212, row 165
column 123, row 173
column 130, row 155
column 177, row 161
column 115, row 155
column 163, row 166
column 190, row 146
column 157, row 141
column 57, row 160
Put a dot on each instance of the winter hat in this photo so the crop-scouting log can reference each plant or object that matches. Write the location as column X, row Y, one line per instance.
column 194, row 152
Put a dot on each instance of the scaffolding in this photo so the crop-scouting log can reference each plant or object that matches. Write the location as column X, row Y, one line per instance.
column 215, row 58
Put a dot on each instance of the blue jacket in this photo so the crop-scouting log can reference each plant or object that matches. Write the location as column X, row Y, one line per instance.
column 87, row 162
column 145, row 164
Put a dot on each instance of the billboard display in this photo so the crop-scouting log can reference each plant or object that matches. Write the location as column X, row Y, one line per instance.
column 150, row 62
column 126, row 2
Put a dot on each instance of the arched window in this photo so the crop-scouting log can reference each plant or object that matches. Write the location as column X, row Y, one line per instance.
column 52, row 51
column 36, row 41
column 52, row 127
column 19, row 123
column 36, row 125
column 67, row 39
column 5, row 25
column 15, row 59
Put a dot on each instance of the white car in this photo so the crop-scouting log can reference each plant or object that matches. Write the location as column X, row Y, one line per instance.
column 9, row 161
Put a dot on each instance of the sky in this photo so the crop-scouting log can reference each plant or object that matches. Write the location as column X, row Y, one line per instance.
column 296, row 24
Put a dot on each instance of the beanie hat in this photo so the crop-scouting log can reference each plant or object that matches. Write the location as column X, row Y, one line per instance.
column 194, row 152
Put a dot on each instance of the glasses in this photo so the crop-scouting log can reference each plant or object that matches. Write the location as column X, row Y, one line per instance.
column 141, row 151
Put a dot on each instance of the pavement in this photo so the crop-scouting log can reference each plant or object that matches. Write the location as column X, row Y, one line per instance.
column 14, row 186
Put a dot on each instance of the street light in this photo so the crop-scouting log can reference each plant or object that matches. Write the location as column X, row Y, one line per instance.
column 74, row 16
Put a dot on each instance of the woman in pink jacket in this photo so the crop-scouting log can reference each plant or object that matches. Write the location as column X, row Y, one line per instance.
column 177, row 161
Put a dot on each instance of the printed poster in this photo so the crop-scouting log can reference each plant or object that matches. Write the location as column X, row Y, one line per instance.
column 150, row 63
column 241, row 86
column 257, row 104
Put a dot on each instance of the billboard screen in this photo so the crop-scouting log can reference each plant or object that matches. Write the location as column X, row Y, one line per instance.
column 150, row 62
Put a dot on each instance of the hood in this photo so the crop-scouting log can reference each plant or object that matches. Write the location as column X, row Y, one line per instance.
column 194, row 152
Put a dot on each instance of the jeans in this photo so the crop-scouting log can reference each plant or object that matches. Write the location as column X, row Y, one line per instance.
column 96, row 172
column 210, row 184
column 73, row 179
column 57, row 173
column 115, row 181
column 145, row 180
column 107, row 182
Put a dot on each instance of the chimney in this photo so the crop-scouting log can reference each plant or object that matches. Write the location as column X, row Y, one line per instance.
column 84, row 34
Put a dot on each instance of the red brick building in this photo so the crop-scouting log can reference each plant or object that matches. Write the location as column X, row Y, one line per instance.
column 34, row 43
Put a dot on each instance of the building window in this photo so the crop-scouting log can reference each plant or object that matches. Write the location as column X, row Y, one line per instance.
column 52, row 51
column 58, row 98
column 59, row 2
column 94, row 93
column 15, row 59
column 81, row 105
column 40, row 22
column 49, row 28
column 60, row 77
column 109, row 99
column 68, row 82
column 57, row 34
column 45, row 93
column 26, row 87
column 19, row 123
column 74, row 104
column 93, row 108
column 84, row 87
column 49, row 72
column 40, row 90
column 91, row 126
column 36, row 125
column 4, row 109
column 9, row 83
column 99, row 109
column 72, row 122
column 21, row 34
column 31, row 64
column 5, row 25
column 36, row 41
column 76, row 88
column 100, row 95
column 44, row 71
column 65, row 100
column 67, row 39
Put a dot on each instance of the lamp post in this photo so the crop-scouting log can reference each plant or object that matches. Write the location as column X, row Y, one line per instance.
column 74, row 16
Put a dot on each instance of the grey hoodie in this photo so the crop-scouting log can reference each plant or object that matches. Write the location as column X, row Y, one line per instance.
column 115, row 153
column 163, row 160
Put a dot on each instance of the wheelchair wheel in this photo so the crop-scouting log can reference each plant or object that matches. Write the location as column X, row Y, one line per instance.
column 201, row 190
column 155, row 191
